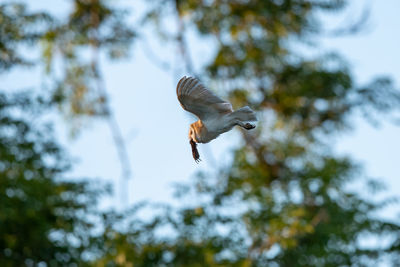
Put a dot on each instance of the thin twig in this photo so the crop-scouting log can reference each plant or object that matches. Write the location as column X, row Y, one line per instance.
column 111, row 120
column 352, row 27
column 163, row 65
column 181, row 41
column 116, row 133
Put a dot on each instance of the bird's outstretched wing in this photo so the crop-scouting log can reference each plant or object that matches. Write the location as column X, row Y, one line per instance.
column 195, row 98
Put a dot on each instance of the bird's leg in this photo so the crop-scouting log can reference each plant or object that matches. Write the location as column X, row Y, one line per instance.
column 247, row 126
column 195, row 152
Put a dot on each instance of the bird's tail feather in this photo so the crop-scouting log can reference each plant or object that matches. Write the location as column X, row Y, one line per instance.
column 245, row 114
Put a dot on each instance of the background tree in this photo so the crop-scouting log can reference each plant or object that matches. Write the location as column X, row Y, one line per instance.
column 45, row 217
column 284, row 200
column 285, row 185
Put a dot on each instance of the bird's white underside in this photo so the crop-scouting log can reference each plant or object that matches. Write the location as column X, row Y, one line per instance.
column 216, row 116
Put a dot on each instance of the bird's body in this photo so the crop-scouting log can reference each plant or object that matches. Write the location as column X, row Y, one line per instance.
column 216, row 116
column 207, row 130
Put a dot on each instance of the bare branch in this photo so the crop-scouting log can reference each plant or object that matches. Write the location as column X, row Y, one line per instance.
column 351, row 28
column 110, row 117
column 163, row 65
column 182, row 42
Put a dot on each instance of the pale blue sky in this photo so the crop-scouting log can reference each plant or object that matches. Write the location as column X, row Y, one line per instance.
column 145, row 104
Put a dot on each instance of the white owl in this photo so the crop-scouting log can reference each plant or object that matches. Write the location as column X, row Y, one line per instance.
column 216, row 116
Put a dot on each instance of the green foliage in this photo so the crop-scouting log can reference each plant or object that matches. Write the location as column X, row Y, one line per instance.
column 44, row 216
column 73, row 45
column 77, row 43
column 18, row 27
column 283, row 201
column 290, row 192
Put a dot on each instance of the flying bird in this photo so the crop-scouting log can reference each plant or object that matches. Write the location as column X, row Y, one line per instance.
column 216, row 116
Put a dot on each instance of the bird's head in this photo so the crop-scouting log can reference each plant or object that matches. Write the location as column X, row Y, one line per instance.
column 193, row 134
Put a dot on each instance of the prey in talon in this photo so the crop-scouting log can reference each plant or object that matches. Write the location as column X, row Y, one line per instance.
column 216, row 116
column 195, row 152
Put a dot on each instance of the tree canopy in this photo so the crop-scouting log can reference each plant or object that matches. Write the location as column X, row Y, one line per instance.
column 283, row 201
